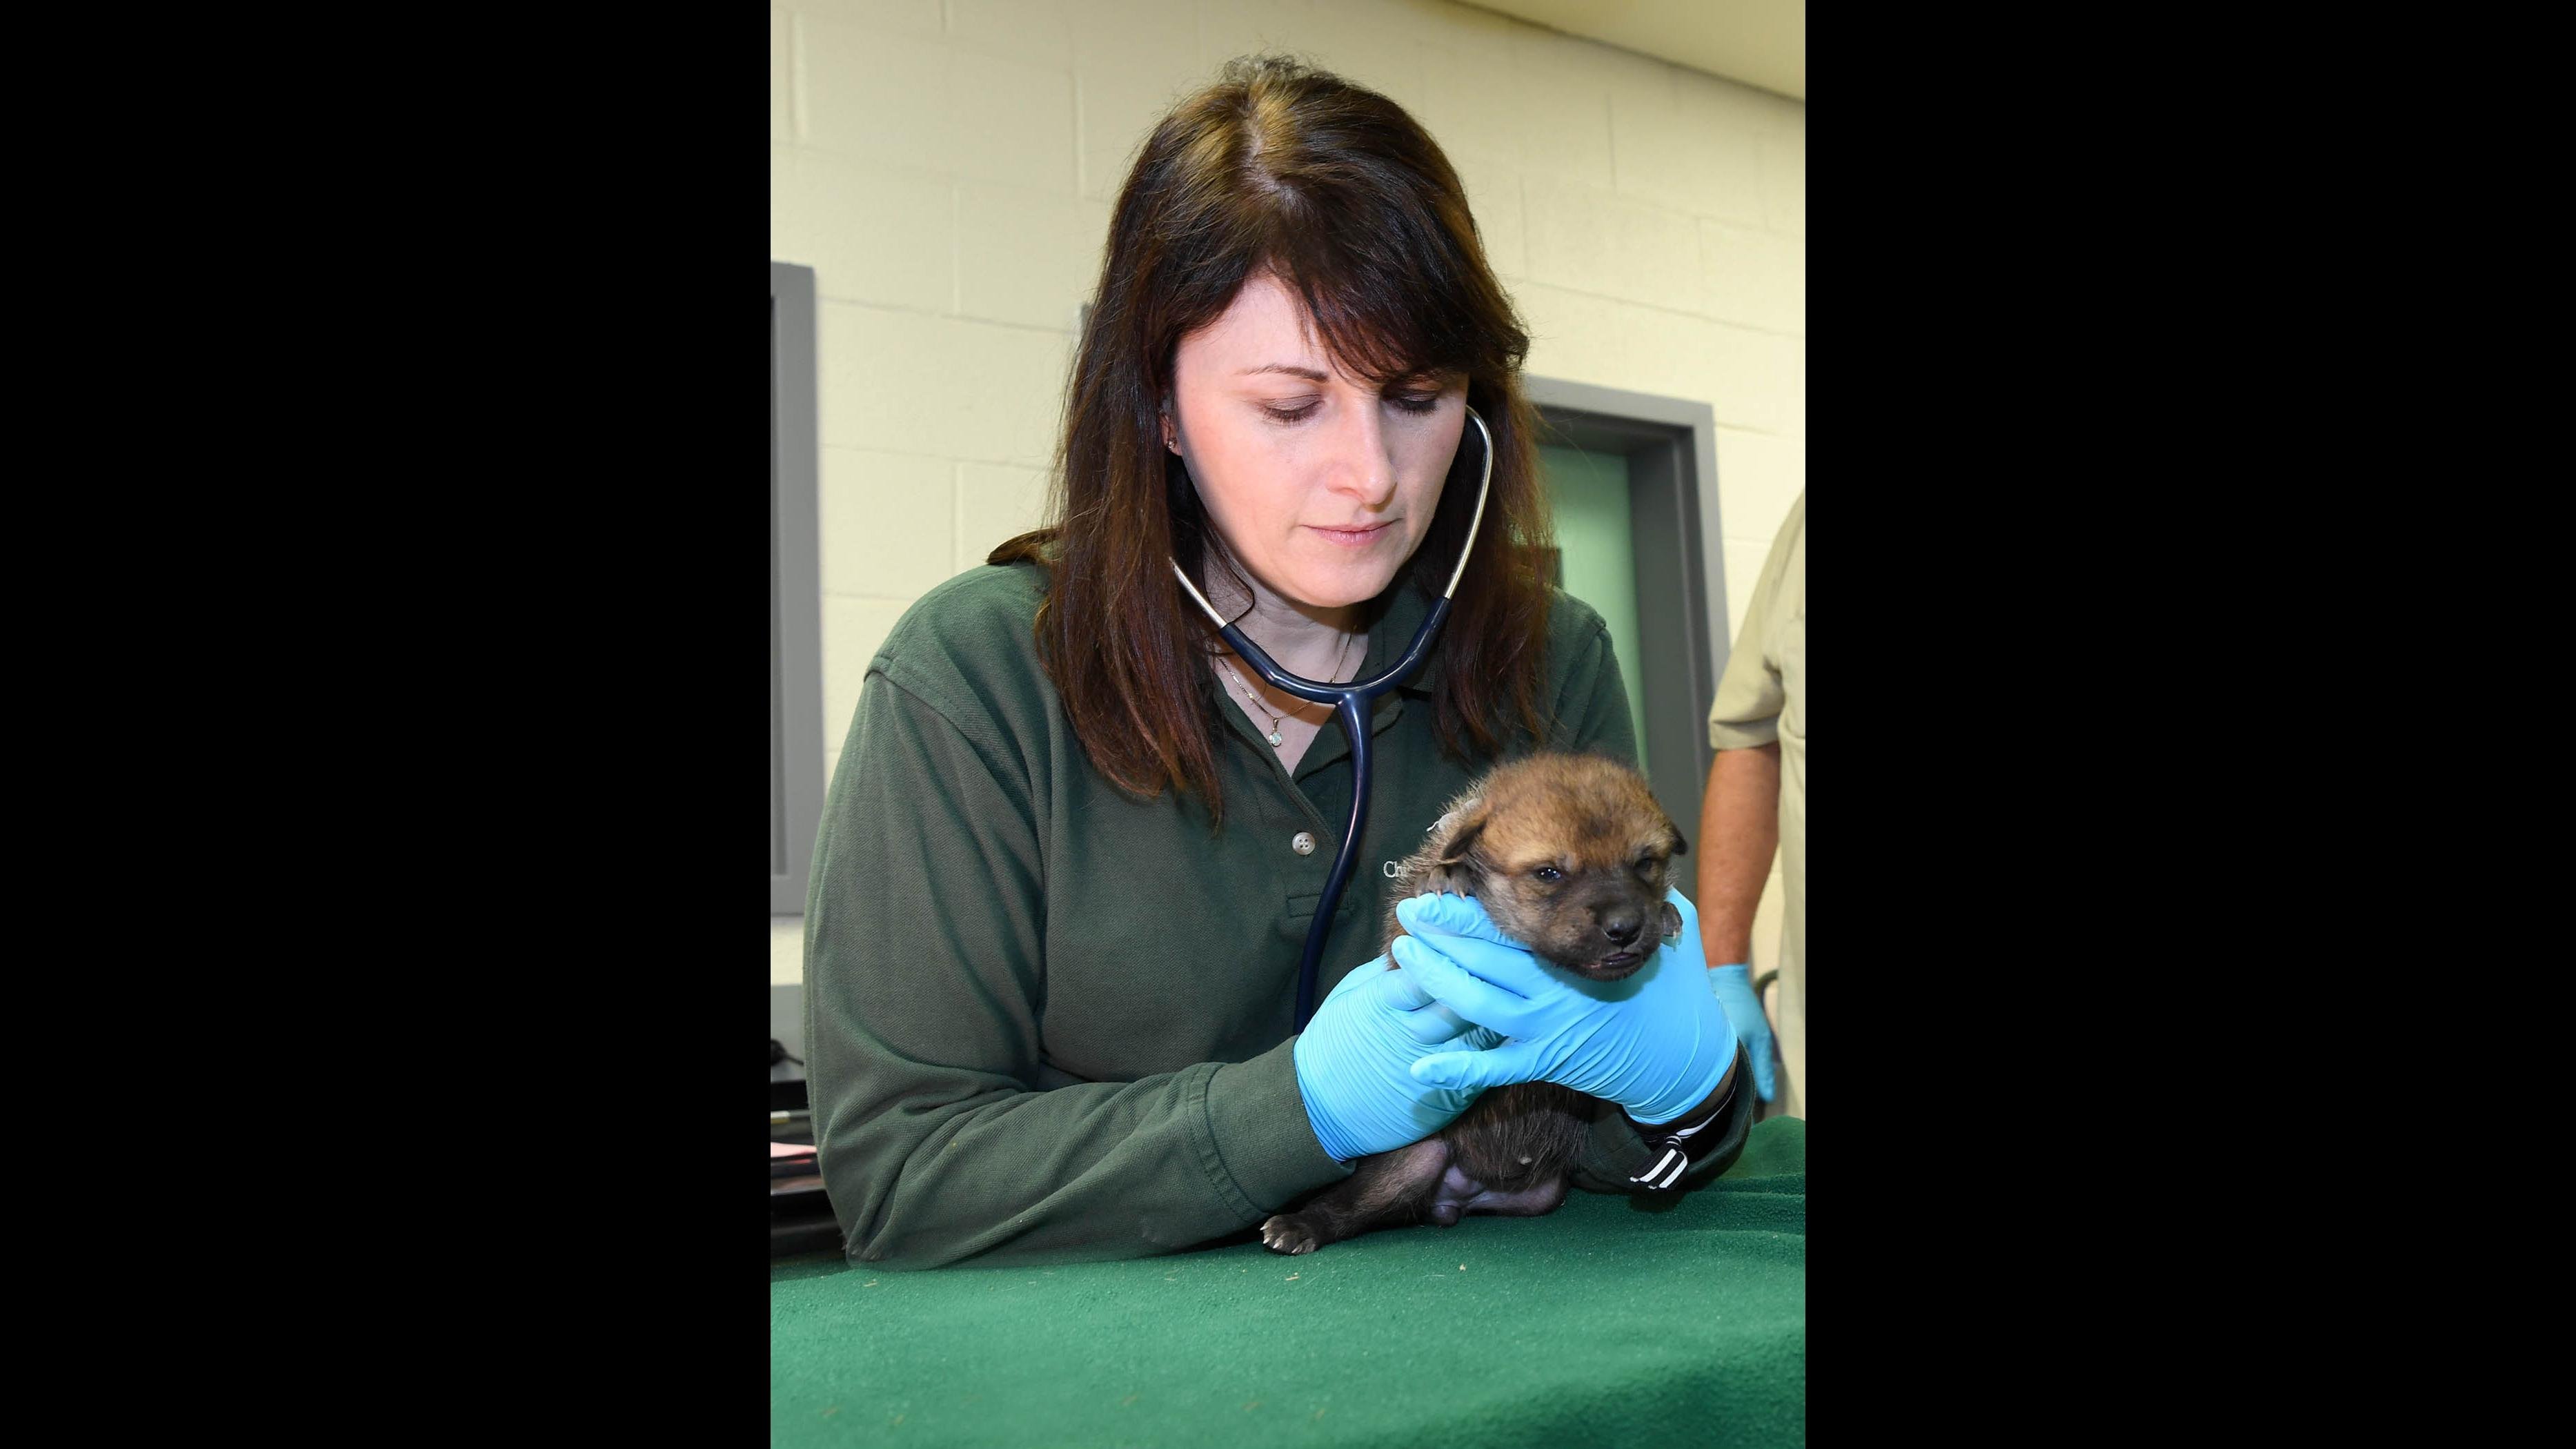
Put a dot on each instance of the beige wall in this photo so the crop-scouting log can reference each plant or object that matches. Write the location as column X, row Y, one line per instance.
column 946, row 167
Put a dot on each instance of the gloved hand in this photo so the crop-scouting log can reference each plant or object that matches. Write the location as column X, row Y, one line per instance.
column 1655, row 1044
column 1734, row 988
column 1352, row 1060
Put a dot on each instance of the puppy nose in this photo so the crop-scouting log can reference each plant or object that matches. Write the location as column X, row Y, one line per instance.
column 1621, row 929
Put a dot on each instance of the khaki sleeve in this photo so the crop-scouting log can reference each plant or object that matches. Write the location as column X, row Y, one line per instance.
column 1746, row 712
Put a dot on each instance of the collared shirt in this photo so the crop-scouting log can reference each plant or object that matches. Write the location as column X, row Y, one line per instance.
column 1047, row 1018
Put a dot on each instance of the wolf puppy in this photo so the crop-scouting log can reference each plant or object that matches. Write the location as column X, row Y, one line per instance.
column 1572, row 856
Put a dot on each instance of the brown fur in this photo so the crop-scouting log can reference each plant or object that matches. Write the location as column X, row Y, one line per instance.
column 1595, row 824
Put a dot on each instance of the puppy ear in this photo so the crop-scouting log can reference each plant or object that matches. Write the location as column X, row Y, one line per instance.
column 1453, row 868
column 1464, row 824
column 1680, row 846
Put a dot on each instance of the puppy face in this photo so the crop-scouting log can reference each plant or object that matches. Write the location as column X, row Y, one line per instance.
column 1570, row 854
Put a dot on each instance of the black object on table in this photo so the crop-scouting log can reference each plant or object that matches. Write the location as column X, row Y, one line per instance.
column 800, row 1216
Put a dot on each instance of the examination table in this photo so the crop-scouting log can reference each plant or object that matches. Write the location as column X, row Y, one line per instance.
column 1611, row 1320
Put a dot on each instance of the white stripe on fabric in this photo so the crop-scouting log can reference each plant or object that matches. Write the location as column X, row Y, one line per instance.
column 1660, row 1163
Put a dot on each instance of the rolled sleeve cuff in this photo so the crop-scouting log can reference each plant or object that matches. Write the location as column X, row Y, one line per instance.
column 1743, row 734
column 1254, row 1141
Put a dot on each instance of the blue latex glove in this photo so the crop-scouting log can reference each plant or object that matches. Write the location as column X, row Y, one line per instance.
column 1734, row 988
column 1352, row 1062
column 1655, row 1044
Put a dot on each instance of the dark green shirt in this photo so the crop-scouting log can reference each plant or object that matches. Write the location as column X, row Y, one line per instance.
column 1046, row 1018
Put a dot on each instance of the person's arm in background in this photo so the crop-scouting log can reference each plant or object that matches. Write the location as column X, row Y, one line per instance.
column 1739, row 833
column 1739, row 822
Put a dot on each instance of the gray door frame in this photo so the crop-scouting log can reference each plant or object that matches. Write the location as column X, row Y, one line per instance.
column 1670, row 445
column 796, row 591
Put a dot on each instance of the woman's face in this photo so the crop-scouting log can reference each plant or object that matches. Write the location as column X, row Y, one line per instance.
column 1321, row 484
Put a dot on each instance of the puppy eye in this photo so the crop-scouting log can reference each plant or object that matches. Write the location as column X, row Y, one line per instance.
column 1549, row 873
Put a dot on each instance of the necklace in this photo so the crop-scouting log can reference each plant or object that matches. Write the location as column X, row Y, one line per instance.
column 1253, row 698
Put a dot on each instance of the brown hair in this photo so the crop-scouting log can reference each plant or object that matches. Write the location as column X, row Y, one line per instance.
column 1285, row 169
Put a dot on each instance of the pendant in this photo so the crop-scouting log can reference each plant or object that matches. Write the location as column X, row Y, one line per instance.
column 1274, row 739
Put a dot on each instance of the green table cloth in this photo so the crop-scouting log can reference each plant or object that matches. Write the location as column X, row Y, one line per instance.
column 1612, row 1319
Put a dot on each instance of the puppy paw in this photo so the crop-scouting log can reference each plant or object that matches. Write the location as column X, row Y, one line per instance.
column 1285, row 1234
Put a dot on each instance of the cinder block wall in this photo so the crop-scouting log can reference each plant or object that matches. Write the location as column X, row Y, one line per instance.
column 946, row 167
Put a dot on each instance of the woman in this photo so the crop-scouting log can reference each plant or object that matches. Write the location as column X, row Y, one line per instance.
column 1073, row 845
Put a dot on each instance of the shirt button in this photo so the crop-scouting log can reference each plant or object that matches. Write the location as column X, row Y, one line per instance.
column 1304, row 844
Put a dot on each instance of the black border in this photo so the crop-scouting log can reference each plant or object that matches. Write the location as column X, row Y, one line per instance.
column 2016, row 845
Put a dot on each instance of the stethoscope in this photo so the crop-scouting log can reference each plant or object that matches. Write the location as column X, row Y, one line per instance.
column 1351, row 703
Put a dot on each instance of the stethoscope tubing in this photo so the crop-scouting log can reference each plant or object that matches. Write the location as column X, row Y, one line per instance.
column 1351, row 705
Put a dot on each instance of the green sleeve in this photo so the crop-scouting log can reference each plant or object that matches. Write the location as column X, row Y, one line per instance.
column 1591, row 705
column 925, row 984
column 1614, row 1152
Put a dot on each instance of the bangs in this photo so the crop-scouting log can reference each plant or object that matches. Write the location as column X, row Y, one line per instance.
column 1383, row 252
column 1381, row 321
